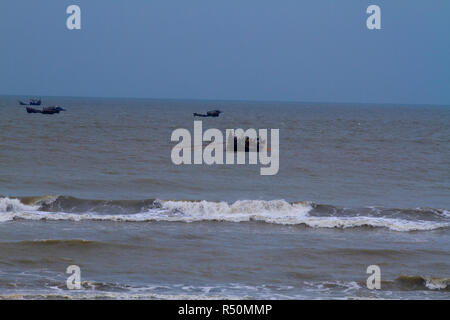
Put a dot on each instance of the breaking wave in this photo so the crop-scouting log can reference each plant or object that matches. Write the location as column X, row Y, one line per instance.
column 275, row 211
column 423, row 283
column 15, row 205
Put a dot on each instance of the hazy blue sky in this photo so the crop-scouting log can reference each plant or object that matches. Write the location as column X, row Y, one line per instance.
column 312, row 50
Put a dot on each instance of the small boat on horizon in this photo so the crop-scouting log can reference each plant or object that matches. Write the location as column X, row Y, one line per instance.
column 47, row 110
column 212, row 113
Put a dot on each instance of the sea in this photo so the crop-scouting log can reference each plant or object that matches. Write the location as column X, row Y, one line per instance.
column 358, row 186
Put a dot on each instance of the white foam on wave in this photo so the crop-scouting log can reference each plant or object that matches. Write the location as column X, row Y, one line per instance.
column 14, row 205
column 375, row 222
column 282, row 212
column 275, row 212
column 436, row 283
column 446, row 213
column 239, row 211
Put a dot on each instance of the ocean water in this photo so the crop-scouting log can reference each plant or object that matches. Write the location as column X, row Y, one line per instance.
column 95, row 186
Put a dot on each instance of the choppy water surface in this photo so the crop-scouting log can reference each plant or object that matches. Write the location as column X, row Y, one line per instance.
column 94, row 186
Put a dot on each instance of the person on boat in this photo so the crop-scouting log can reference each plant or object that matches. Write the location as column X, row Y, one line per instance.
column 247, row 144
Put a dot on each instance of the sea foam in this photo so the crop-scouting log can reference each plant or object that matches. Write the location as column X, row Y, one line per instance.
column 274, row 212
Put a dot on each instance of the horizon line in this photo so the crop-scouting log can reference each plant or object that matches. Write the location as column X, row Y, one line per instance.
column 229, row 100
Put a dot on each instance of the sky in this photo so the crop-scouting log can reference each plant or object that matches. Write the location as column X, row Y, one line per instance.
column 277, row 50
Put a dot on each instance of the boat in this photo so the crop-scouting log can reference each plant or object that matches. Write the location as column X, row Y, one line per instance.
column 246, row 145
column 47, row 110
column 52, row 110
column 213, row 113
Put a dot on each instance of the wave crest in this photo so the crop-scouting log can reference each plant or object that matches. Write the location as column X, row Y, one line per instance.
column 15, row 205
column 274, row 211
column 424, row 282
column 239, row 207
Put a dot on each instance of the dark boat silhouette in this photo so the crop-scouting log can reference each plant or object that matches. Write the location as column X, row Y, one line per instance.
column 52, row 110
column 213, row 113
column 246, row 145
column 47, row 110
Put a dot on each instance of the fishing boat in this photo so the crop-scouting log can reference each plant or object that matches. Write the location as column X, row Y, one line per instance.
column 47, row 110
column 213, row 113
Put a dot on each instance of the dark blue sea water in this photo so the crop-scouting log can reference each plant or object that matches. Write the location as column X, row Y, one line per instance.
column 95, row 186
